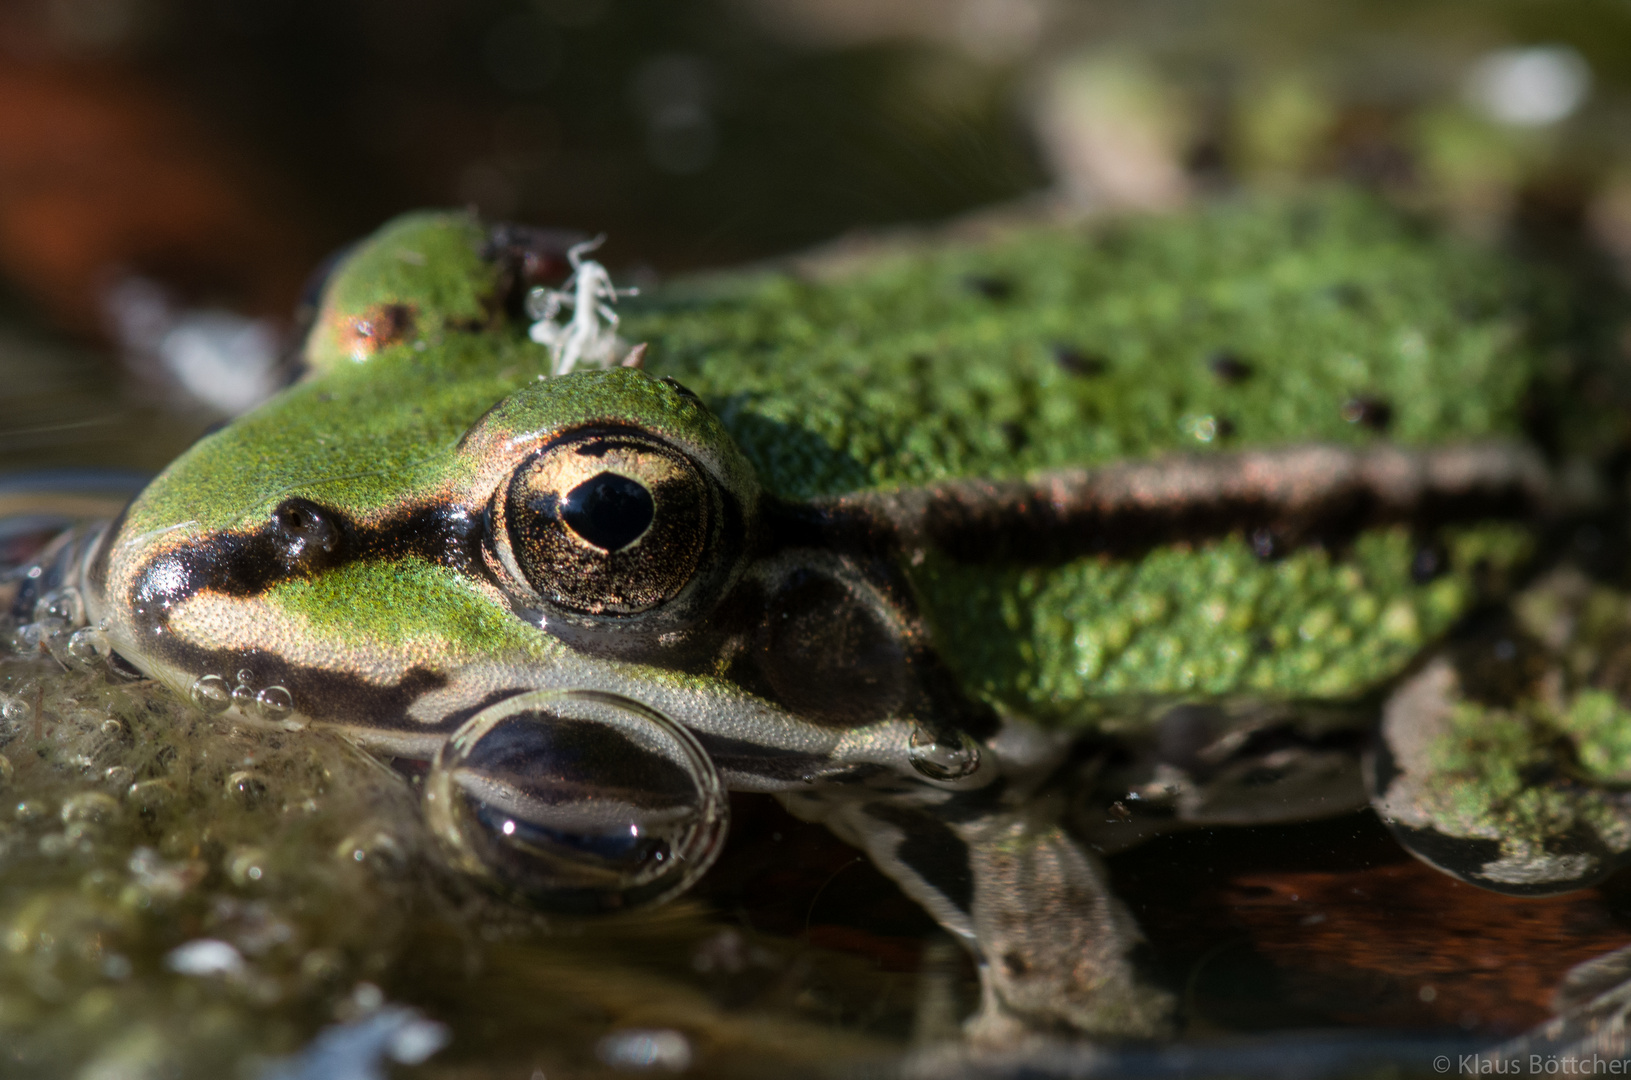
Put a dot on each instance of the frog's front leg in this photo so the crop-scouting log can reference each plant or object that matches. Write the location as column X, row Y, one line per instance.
column 1053, row 945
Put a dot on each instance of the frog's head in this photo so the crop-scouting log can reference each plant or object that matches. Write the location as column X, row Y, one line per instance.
column 425, row 543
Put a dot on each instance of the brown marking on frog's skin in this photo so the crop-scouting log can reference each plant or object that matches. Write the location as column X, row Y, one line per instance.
column 1300, row 494
column 378, row 327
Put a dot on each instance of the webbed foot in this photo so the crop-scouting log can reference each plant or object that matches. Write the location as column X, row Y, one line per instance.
column 1053, row 946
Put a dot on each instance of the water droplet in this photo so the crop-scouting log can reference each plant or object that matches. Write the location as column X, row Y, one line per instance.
column 243, row 696
column 88, row 647
column 376, row 847
column 150, row 796
column 274, row 703
column 246, row 787
column 246, row 678
column 28, row 638
column 61, row 608
column 943, row 759
column 15, row 713
column 247, row 866
column 577, row 800
column 211, row 693
column 89, row 807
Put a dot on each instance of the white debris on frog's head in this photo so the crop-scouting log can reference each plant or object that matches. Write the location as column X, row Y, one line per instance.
column 590, row 335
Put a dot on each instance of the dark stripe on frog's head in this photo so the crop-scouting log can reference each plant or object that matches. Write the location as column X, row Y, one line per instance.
column 421, row 552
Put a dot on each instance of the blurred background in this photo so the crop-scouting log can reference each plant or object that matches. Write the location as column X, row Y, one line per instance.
column 172, row 170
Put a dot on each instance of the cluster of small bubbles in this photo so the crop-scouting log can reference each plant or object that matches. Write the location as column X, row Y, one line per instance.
column 211, row 693
column 214, row 694
column 88, row 647
column 943, row 758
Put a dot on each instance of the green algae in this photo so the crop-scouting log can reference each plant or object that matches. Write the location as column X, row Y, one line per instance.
column 132, row 825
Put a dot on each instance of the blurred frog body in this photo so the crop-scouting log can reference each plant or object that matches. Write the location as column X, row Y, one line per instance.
column 993, row 552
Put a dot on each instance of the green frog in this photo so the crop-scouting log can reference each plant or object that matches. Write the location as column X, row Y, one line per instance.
column 994, row 551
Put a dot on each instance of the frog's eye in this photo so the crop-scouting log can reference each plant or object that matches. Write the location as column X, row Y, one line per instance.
column 611, row 523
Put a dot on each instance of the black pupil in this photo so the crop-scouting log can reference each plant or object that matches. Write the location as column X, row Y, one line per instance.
column 608, row 510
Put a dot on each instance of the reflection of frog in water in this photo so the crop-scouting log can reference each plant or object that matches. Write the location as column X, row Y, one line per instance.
column 986, row 555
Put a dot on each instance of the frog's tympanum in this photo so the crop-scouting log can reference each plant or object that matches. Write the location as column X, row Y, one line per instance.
column 993, row 555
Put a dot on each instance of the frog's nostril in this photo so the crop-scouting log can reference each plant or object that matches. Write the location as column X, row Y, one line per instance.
column 307, row 534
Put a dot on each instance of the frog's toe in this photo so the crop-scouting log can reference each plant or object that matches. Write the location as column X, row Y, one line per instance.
column 578, row 801
column 1522, row 788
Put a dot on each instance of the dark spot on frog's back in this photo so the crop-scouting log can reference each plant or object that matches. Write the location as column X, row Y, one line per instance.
column 990, row 286
column 1429, row 562
column 1229, row 367
column 1370, row 412
column 1079, row 362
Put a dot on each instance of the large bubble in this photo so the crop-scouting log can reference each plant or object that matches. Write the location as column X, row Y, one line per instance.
column 577, row 801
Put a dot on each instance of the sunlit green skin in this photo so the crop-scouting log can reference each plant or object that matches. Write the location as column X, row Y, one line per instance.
column 905, row 374
column 1025, row 355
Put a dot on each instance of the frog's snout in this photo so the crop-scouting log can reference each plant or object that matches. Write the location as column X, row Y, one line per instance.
column 577, row 800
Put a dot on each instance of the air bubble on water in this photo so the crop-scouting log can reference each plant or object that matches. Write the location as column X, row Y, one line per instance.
column 152, row 795
column 274, row 703
column 90, row 807
column 88, row 647
column 63, row 608
column 211, row 693
column 950, row 758
column 577, row 800
column 28, row 638
column 243, row 696
column 14, row 713
column 247, row 866
column 119, row 777
column 246, row 787
column 246, row 678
